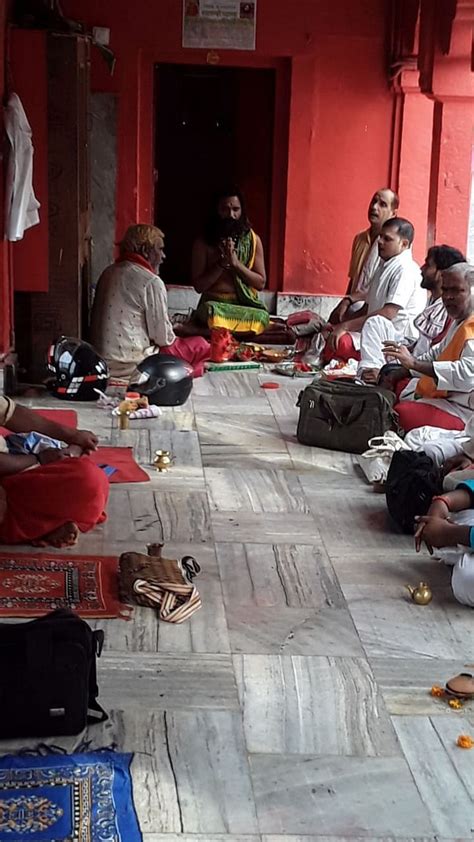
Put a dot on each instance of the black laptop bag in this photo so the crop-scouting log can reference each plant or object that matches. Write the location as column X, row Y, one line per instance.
column 48, row 682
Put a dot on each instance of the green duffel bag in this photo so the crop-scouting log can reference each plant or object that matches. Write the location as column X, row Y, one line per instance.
column 343, row 415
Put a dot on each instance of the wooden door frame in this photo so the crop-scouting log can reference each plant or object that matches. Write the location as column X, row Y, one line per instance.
column 282, row 68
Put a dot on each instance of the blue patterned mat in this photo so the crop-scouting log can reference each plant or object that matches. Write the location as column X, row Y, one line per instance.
column 67, row 798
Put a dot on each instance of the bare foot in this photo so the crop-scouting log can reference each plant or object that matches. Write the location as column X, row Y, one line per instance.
column 64, row 536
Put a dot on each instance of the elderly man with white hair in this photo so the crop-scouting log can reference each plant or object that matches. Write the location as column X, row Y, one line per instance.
column 441, row 389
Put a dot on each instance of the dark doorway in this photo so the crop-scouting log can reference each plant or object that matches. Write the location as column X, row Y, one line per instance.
column 214, row 126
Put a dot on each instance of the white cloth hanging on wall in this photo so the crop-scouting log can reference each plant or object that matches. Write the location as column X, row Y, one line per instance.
column 21, row 203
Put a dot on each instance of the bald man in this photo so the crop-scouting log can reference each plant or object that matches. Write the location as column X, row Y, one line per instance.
column 364, row 255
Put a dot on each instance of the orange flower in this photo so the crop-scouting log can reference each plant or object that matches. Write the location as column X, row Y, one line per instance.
column 456, row 704
column 437, row 691
column 465, row 741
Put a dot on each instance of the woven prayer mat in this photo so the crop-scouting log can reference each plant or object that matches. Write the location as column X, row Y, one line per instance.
column 32, row 584
column 83, row 797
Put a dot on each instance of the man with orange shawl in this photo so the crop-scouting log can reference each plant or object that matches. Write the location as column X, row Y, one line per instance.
column 48, row 497
column 440, row 392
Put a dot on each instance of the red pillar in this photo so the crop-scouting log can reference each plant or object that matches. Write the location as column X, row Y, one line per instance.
column 452, row 86
column 411, row 171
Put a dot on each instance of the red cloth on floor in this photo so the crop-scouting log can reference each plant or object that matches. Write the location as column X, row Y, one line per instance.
column 194, row 350
column 345, row 350
column 66, row 417
column 49, row 496
column 413, row 414
column 120, row 458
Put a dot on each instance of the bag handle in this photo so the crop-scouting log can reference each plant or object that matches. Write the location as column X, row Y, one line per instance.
column 330, row 414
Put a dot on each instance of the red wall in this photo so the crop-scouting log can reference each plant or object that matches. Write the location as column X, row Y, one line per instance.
column 341, row 113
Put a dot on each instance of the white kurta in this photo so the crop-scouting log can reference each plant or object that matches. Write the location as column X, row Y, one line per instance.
column 456, row 378
column 130, row 317
column 21, row 210
column 395, row 281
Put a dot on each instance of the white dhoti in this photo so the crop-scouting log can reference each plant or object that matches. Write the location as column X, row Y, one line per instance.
column 375, row 331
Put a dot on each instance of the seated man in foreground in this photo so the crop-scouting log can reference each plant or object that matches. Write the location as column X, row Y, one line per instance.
column 365, row 255
column 394, row 296
column 130, row 318
column 440, row 391
column 45, row 499
column 228, row 269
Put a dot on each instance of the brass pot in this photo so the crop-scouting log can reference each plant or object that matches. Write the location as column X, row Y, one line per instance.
column 163, row 460
column 422, row 594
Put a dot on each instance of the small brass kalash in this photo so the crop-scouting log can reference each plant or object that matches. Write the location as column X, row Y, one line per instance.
column 422, row 594
column 163, row 460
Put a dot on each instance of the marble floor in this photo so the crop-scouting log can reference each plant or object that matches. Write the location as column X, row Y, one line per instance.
column 294, row 706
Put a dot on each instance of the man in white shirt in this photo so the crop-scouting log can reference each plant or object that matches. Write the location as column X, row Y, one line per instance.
column 130, row 318
column 394, row 298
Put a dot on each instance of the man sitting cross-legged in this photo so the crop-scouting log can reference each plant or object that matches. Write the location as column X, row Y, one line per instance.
column 228, row 269
column 46, row 499
column 394, row 295
column 452, row 534
column 440, row 392
column 130, row 318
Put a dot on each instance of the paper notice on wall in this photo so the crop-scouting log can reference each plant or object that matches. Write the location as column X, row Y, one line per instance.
column 219, row 24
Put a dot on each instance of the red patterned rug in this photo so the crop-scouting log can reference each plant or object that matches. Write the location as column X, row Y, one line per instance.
column 32, row 584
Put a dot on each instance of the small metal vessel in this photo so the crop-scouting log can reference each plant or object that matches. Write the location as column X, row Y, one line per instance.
column 422, row 594
column 163, row 460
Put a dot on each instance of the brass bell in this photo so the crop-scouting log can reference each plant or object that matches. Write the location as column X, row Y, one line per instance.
column 163, row 460
column 422, row 594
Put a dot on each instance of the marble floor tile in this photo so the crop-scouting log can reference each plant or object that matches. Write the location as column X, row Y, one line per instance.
column 198, row 837
column 405, row 685
column 393, row 568
column 372, row 796
column 292, row 631
column 177, row 417
column 284, row 576
column 352, row 521
column 247, row 432
column 314, row 459
column 284, row 600
column 169, row 682
column 283, row 401
column 236, row 489
column 272, row 837
column 234, row 384
column 265, row 528
column 389, row 625
column 442, row 772
column 170, row 516
column 140, row 634
column 308, row 705
column 224, row 405
column 229, row 456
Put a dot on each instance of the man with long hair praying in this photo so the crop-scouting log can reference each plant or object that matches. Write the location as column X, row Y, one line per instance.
column 228, row 269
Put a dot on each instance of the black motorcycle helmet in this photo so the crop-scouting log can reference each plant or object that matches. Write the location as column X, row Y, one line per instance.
column 77, row 369
column 163, row 379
